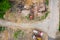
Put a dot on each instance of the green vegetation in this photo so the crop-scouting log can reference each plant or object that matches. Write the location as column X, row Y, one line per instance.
column 18, row 33
column 4, row 6
column 1, row 15
column 2, row 29
column 39, row 18
column 59, row 28
column 47, row 2
column 27, row 17
column 44, row 16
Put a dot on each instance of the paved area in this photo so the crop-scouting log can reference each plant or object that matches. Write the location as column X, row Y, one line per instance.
column 57, row 38
column 50, row 38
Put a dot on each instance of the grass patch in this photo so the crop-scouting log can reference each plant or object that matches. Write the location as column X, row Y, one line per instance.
column 18, row 33
column 27, row 17
column 44, row 16
column 2, row 29
column 1, row 15
column 59, row 28
column 47, row 2
column 4, row 6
